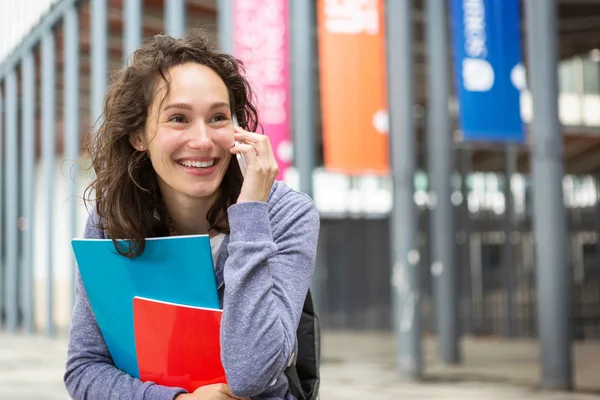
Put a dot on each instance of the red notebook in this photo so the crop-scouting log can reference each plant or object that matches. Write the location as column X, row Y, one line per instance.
column 177, row 345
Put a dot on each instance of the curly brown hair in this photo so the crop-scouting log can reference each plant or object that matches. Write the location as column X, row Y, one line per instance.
column 125, row 190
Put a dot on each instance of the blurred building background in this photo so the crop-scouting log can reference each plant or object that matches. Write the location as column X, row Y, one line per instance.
column 54, row 61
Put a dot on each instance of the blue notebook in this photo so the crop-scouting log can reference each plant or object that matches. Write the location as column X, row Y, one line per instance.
column 176, row 269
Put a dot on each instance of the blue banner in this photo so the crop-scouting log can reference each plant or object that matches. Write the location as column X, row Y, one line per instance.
column 487, row 69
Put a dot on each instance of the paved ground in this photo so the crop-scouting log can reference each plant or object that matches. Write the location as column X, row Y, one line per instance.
column 354, row 367
column 363, row 367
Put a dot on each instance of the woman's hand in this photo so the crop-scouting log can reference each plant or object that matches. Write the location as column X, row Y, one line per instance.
column 218, row 391
column 261, row 166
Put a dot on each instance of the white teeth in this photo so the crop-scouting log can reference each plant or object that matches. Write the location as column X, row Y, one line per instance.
column 198, row 164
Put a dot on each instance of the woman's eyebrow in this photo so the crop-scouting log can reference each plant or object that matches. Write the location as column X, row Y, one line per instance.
column 220, row 104
column 178, row 105
column 186, row 106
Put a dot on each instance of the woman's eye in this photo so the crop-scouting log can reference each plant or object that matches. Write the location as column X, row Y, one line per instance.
column 180, row 119
column 219, row 118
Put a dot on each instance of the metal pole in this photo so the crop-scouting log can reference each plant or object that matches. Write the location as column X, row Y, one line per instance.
column 302, row 44
column 440, row 151
column 510, row 167
column 48, row 156
column 225, row 22
column 27, row 186
column 597, row 215
column 553, row 277
column 71, row 120
column 99, row 58
column 11, row 198
column 2, row 172
column 477, row 289
column 405, row 256
column 132, row 18
column 175, row 17
column 302, row 20
column 464, row 235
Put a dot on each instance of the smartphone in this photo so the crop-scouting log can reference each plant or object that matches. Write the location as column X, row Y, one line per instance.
column 241, row 159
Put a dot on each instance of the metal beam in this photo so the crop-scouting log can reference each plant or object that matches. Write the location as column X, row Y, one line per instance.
column 405, row 255
column 71, row 120
column 301, row 16
column 132, row 20
column 575, row 146
column 440, row 156
column 510, row 229
column 2, row 172
column 11, row 210
column 48, row 157
column 463, row 238
column 585, row 161
column 175, row 18
column 99, row 57
column 303, row 118
column 225, row 23
column 553, row 275
column 597, row 223
column 27, row 186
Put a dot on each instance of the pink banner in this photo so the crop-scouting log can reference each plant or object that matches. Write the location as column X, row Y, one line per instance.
column 260, row 40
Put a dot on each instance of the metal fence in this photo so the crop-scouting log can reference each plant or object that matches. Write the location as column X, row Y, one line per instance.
column 51, row 94
column 497, row 297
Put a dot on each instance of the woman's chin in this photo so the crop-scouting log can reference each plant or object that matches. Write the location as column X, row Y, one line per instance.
column 204, row 192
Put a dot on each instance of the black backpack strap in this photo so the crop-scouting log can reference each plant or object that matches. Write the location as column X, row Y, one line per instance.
column 307, row 360
column 294, row 382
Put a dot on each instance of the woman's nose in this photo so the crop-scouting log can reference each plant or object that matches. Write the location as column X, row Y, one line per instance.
column 200, row 137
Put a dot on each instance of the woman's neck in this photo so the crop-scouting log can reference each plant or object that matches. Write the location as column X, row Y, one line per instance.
column 188, row 214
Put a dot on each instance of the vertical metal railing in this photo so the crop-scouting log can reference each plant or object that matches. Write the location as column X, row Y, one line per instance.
column 132, row 21
column 2, row 133
column 71, row 117
column 27, row 187
column 225, row 23
column 99, row 36
column 175, row 17
column 29, row 137
column 11, row 208
column 48, row 160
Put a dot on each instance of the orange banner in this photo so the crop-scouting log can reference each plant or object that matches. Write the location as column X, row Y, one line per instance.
column 353, row 93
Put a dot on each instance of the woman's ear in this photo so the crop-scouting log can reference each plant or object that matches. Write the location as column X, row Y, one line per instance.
column 137, row 142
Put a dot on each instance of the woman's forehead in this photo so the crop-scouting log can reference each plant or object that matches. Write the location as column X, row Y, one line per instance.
column 193, row 84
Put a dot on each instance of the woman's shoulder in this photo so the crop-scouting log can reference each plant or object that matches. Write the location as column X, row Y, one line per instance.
column 287, row 205
column 93, row 229
column 283, row 196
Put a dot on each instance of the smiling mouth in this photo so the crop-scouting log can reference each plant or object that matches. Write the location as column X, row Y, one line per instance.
column 197, row 164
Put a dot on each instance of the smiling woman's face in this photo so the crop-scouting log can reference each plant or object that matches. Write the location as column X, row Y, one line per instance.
column 188, row 138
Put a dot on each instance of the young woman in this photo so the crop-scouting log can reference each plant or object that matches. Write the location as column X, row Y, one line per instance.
column 165, row 164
